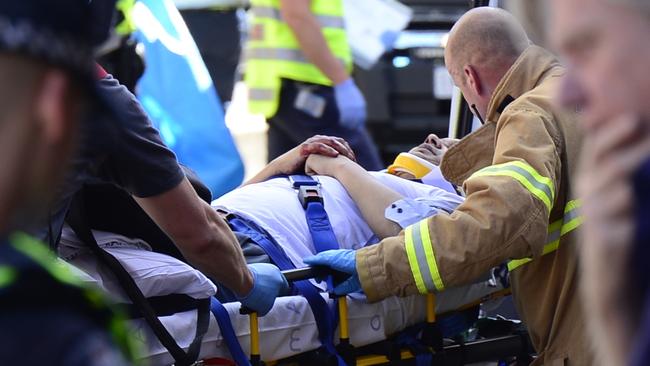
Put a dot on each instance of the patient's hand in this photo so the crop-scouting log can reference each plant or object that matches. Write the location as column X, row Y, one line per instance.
column 294, row 160
column 325, row 165
column 328, row 146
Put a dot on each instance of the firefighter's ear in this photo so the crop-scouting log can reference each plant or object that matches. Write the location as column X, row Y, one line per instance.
column 473, row 80
column 55, row 110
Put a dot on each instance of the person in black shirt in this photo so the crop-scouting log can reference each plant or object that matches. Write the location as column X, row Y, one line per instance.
column 119, row 145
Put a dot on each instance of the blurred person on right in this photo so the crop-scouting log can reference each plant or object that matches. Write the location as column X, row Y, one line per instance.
column 606, row 48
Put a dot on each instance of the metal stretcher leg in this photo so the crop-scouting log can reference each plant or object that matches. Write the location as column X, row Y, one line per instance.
column 344, row 348
column 255, row 339
column 432, row 335
column 256, row 359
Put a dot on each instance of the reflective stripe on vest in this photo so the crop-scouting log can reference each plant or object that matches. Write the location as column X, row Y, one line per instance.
column 422, row 259
column 571, row 221
column 329, row 21
column 538, row 185
column 273, row 53
column 7, row 276
column 40, row 254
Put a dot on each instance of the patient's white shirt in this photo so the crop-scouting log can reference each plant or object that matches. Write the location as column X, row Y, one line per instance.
column 274, row 206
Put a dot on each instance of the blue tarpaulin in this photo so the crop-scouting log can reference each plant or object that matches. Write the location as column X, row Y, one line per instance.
column 179, row 96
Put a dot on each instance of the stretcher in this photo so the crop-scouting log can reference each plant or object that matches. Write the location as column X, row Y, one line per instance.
column 289, row 330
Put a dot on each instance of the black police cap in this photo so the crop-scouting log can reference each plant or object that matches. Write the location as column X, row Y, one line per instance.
column 60, row 32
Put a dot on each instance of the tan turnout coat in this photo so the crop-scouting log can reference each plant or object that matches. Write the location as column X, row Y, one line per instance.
column 516, row 172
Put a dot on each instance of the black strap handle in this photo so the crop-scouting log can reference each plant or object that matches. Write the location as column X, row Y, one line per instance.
column 77, row 222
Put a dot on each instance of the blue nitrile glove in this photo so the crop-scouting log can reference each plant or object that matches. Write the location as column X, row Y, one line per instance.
column 342, row 260
column 351, row 104
column 268, row 283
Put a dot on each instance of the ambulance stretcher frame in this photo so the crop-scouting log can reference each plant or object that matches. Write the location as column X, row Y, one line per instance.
column 354, row 347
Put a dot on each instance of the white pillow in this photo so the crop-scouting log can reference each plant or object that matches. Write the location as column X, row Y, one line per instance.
column 155, row 274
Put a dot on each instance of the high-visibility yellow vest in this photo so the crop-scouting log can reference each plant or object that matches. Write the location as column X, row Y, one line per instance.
column 273, row 52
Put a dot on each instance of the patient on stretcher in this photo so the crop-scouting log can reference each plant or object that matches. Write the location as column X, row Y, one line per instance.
column 271, row 206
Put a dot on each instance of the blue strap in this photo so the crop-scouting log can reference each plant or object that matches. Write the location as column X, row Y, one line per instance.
column 322, row 314
column 319, row 224
column 228, row 333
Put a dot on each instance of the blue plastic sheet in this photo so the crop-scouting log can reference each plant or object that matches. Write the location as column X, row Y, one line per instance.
column 178, row 94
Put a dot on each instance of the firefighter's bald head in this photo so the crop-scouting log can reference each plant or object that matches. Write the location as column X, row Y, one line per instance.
column 482, row 46
column 486, row 37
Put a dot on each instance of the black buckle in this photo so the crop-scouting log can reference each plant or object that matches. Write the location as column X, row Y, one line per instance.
column 307, row 194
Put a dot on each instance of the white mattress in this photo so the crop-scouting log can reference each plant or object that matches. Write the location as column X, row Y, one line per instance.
column 290, row 329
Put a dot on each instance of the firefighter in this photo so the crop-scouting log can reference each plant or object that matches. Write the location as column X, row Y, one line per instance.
column 516, row 173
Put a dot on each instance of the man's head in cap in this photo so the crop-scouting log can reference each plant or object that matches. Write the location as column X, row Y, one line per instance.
column 483, row 44
column 46, row 77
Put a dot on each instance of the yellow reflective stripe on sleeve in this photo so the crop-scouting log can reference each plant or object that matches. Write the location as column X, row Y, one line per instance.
column 571, row 221
column 572, row 217
column 538, row 185
column 413, row 261
column 431, row 257
column 422, row 259
column 7, row 276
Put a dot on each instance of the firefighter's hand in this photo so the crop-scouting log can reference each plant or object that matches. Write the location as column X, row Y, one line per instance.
column 342, row 260
column 268, row 283
column 351, row 104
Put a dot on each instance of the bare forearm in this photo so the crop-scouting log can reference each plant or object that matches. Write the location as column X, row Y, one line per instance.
column 308, row 32
column 201, row 235
column 267, row 172
column 371, row 197
column 221, row 258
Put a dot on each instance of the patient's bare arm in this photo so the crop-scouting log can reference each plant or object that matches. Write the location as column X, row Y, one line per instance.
column 370, row 195
column 294, row 160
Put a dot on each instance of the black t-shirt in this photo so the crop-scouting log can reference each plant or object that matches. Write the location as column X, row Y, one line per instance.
column 118, row 145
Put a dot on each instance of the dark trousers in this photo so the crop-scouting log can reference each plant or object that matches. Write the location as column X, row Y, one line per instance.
column 290, row 126
column 216, row 34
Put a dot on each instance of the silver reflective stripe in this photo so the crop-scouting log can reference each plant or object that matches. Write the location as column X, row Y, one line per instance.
column 425, row 272
column 554, row 236
column 572, row 214
column 261, row 94
column 328, row 21
column 529, row 177
column 286, row 54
